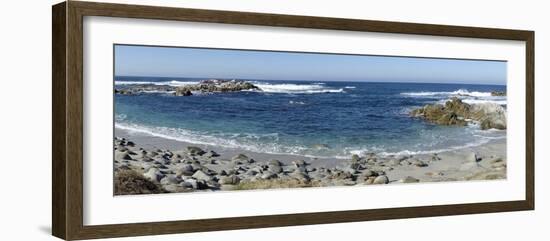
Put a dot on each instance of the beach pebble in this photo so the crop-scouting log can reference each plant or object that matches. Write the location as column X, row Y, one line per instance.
column 402, row 158
column 185, row 170
column 435, row 157
column 419, row 163
column 240, row 158
column 355, row 165
column 200, row 175
column 195, row 184
column 169, row 180
column 408, row 179
column 369, row 180
column 229, row 180
column 368, row 173
column 394, row 162
column 122, row 155
column 310, row 169
column 299, row 163
column 381, row 180
column 372, row 161
column 473, row 157
column 300, row 176
column 275, row 169
column 153, row 174
column 274, row 162
column 212, row 154
column 193, row 150
column 268, row 175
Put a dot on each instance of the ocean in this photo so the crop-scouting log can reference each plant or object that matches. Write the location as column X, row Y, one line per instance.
column 326, row 119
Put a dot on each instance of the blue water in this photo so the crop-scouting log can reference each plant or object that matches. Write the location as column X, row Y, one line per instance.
column 321, row 119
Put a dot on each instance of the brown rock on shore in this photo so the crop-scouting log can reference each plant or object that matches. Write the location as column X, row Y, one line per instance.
column 456, row 112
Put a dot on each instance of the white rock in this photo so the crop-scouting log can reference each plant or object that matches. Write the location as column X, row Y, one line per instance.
column 381, row 180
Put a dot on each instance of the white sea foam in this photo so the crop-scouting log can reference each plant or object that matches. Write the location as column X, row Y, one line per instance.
column 470, row 97
column 287, row 88
column 251, row 141
column 480, row 101
column 296, row 102
column 174, row 83
column 460, row 92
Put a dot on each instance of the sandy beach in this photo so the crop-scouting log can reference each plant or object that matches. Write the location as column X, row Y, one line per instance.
column 176, row 166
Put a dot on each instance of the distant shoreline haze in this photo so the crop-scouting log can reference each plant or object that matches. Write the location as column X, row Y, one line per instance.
column 296, row 80
column 156, row 61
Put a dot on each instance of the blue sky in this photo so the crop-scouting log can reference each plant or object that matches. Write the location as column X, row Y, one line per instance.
column 249, row 64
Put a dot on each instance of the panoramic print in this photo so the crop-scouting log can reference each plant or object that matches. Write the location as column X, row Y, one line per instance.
column 208, row 120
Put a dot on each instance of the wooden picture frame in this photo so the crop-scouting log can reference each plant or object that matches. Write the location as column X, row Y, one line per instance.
column 67, row 124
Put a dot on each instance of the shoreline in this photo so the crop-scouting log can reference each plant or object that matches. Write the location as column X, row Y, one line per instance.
column 220, row 168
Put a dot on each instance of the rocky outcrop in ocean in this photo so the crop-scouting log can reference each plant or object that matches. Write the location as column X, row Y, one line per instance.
column 205, row 86
column 214, row 85
column 456, row 112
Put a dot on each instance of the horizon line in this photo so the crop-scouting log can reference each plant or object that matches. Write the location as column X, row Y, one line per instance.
column 362, row 81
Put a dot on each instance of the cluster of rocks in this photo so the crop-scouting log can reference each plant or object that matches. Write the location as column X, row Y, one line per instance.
column 456, row 112
column 214, row 85
column 195, row 169
column 143, row 88
column 204, row 86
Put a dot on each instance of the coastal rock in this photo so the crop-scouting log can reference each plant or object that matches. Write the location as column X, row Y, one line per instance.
column 185, row 170
column 355, row 158
column 449, row 114
column 274, row 162
column 195, row 184
column 242, row 158
column 214, row 85
column 275, row 169
column 212, row 154
column 456, row 112
column 193, row 150
column 200, row 175
column 173, row 188
column 169, row 180
column 299, row 163
column 268, row 175
column 154, row 174
column 381, row 180
column 490, row 116
column 498, row 93
column 419, row 163
column 229, row 180
column 122, row 156
column 183, row 92
column 394, row 162
column 368, row 173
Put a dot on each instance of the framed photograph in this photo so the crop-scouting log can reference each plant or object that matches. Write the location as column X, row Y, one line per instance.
column 171, row 120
